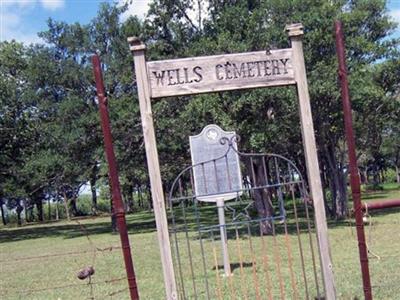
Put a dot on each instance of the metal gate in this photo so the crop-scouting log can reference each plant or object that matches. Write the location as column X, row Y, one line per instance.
column 266, row 248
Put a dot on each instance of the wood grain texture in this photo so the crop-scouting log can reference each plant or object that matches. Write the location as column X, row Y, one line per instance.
column 310, row 149
column 220, row 73
column 154, row 173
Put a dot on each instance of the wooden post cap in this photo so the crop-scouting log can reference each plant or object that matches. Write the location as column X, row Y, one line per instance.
column 295, row 29
column 135, row 44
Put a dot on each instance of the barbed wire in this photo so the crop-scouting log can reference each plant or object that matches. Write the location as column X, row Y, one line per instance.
column 30, row 291
column 109, row 249
column 84, row 273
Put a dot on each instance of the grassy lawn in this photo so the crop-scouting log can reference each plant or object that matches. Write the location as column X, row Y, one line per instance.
column 41, row 261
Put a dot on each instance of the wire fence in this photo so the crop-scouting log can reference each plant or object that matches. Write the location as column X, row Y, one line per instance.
column 38, row 267
column 91, row 270
column 255, row 241
column 383, row 243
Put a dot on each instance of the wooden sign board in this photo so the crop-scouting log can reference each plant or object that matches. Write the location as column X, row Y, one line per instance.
column 216, row 166
column 220, row 73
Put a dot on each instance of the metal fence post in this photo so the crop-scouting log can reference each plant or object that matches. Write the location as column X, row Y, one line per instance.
column 354, row 175
column 113, row 177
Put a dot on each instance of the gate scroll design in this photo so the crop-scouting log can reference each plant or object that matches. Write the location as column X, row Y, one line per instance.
column 269, row 229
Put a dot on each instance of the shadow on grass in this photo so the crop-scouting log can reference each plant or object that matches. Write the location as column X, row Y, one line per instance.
column 143, row 222
column 374, row 195
column 235, row 266
column 140, row 223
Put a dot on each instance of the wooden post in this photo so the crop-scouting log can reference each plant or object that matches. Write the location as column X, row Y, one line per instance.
column 295, row 32
column 138, row 51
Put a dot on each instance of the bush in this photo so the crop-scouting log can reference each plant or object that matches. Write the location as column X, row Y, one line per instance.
column 390, row 176
column 374, row 187
column 84, row 205
column 103, row 205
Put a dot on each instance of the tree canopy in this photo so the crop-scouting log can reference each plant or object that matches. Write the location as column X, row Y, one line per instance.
column 50, row 132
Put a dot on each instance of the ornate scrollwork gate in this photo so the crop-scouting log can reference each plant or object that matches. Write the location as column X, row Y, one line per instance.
column 268, row 233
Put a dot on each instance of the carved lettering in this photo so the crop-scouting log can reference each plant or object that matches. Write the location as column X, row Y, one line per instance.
column 221, row 72
column 170, row 76
column 178, row 77
column 284, row 61
column 250, row 67
column 263, row 68
column 266, row 68
column 258, row 68
column 187, row 80
column 159, row 76
column 230, row 70
column 196, row 70
column 275, row 67
column 217, row 73
column 239, row 72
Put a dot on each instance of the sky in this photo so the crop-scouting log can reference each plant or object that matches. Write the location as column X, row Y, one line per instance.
column 22, row 19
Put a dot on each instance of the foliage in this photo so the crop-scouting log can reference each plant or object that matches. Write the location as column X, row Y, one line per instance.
column 50, row 133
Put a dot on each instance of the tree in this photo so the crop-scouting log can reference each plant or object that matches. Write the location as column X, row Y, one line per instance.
column 50, row 129
column 18, row 134
column 267, row 119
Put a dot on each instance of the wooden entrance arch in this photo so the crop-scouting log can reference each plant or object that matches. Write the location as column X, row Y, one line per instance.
column 221, row 73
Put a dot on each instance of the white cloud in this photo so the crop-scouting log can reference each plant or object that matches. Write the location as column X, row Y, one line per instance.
column 52, row 4
column 395, row 14
column 12, row 15
column 18, row 3
column 140, row 8
column 10, row 19
column 137, row 8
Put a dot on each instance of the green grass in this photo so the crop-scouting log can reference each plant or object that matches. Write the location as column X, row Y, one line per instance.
column 21, row 271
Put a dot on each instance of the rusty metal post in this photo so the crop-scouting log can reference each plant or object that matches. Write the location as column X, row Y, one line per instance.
column 381, row 204
column 354, row 175
column 113, row 177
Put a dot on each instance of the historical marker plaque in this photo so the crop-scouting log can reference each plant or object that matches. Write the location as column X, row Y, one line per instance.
column 216, row 168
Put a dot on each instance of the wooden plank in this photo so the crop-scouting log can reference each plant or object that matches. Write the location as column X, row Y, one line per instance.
column 295, row 33
column 220, row 73
column 138, row 50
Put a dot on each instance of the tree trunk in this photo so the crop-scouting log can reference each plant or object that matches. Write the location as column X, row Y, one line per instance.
column 338, row 185
column 19, row 210
column 3, row 217
column 397, row 174
column 93, row 179
column 113, row 217
column 66, row 206
column 49, row 203
column 25, row 210
column 365, row 176
column 325, row 186
column 376, row 176
column 129, row 198
column 149, row 199
column 39, row 207
column 73, row 206
column 140, row 197
column 262, row 197
column 29, row 213
column 57, row 216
